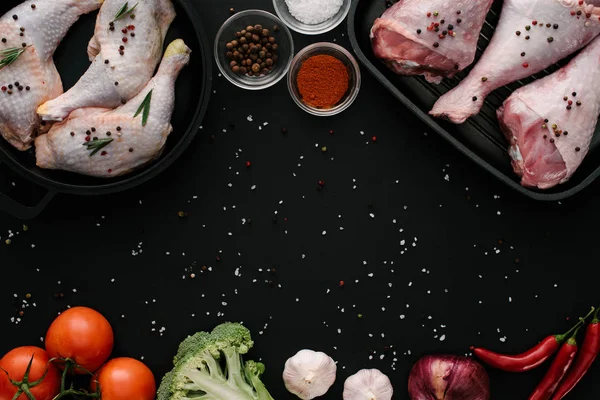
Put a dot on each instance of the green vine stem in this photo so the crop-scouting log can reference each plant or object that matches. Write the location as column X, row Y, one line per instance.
column 68, row 366
column 24, row 386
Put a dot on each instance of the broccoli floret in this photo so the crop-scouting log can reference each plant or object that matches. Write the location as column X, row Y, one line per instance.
column 253, row 372
column 210, row 367
column 191, row 343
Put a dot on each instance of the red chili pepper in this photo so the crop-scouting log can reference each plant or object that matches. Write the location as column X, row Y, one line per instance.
column 528, row 360
column 558, row 369
column 589, row 352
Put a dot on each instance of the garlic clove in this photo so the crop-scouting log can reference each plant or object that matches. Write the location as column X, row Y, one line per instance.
column 309, row 374
column 368, row 384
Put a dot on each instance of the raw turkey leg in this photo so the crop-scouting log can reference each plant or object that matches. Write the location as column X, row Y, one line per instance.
column 33, row 79
column 531, row 35
column 550, row 123
column 407, row 39
column 124, row 56
column 128, row 144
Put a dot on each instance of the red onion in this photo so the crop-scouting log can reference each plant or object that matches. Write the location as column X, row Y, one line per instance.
column 445, row 377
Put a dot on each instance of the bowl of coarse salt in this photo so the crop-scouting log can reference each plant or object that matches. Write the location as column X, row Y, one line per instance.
column 312, row 17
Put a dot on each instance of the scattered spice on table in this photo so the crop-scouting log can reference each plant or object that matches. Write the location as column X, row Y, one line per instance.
column 253, row 52
column 323, row 80
column 313, row 12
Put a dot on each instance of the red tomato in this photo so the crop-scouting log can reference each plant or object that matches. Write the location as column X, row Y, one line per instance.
column 15, row 362
column 125, row 379
column 81, row 335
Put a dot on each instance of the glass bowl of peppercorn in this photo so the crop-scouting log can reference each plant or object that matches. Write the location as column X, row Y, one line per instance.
column 324, row 79
column 254, row 49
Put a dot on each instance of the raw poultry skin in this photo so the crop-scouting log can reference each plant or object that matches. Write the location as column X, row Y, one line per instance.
column 133, row 145
column 503, row 61
column 407, row 40
column 550, row 136
column 114, row 78
column 45, row 23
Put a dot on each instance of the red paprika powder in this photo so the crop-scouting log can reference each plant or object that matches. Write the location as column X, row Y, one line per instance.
column 323, row 81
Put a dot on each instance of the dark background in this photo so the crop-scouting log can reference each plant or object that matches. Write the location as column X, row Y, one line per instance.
column 480, row 244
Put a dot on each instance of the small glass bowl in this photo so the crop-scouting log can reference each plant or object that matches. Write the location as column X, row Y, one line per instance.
column 283, row 12
column 240, row 21
column 341, row 54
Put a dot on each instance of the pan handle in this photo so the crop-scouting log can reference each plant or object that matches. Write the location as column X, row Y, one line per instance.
column 21, row 211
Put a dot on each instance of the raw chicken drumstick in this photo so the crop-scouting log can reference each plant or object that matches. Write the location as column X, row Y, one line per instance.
column 126, row 47
column 531, row 35
column 32, row 31
column 550, row 123
column 107, row 143
column 436, row 39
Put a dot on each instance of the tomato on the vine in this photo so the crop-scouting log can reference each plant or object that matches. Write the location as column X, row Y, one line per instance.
column 15, row 363
column 125, row 379
column 82, row 336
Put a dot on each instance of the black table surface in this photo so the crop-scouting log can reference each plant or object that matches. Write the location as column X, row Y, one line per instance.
column 435, row 254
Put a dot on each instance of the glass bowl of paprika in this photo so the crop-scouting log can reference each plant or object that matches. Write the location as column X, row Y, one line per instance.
column 324, row 79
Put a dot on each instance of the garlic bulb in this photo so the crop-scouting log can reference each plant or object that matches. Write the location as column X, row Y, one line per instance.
column 309, row 374
column 368, row 384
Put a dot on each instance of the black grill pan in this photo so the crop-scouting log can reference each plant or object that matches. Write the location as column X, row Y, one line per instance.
column 480, row 137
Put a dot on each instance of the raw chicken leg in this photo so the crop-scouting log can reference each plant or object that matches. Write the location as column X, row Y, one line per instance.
column 550, row 123
column 32, row 78
column 108, row 143
column 409, row 37
column 531, row 35
column 124, row 55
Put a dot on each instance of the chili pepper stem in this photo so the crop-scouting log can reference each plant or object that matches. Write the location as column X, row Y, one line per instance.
column 573, row 339
column 595, row 320
column 567, row 335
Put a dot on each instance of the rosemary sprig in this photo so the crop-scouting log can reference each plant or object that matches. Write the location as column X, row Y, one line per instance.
column 10, row 55
column 124, row 11
column 97, row 145
column 145, row 107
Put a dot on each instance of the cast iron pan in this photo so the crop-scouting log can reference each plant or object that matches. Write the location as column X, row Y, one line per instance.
column 192, row 95
column 480, row 137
